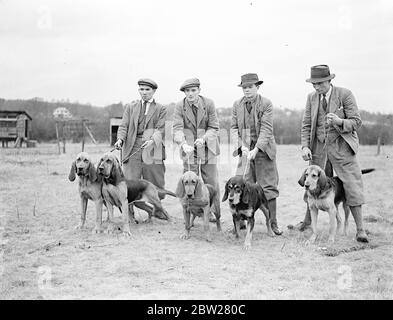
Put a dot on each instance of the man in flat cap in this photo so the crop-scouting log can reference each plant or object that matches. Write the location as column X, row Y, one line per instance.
column 252, row 135
column 141, row 135
column 196, row 131
column 329, row 139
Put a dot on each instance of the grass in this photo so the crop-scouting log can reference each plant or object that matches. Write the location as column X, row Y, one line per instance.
column 44, row 257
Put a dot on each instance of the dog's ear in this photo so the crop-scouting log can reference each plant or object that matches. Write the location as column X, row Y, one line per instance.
column 72, row 173
column 322, row 180
column 180, row 188
column 246, row 193
column 92, row 172
column 116, row 173
column 198, row 188
column 302, row 179
column 225, row 197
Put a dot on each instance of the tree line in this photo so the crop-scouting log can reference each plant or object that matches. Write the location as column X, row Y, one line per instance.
column 287, row 122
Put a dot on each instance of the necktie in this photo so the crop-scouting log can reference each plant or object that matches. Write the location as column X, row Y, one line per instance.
column 248, row 106
column 143, row 111
column 324, row 102
column 195, row 111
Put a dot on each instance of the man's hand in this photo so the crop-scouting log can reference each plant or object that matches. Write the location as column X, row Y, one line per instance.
column 199, row 142
column 334, row 119
column 118, row 144
column 187, row 148
column 245, row 151
column 306, row 154
column 252, row 154
column 147, row 144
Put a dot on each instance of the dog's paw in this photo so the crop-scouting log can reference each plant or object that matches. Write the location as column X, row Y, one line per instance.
column 96, row 230
column 185, row 236
column 126, row 234
column 231, row 230
column 247, row 246
column 271, row 234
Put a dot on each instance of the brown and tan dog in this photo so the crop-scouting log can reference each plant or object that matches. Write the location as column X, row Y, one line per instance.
column 89, row 188
column 114, row 188
column 325, row 193
column 197, row 199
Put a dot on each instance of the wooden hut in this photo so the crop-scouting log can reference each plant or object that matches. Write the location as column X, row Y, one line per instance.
column 15, row 126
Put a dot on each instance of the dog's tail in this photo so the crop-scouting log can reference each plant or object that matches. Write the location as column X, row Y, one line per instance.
column 364, row 171
column 163, row 192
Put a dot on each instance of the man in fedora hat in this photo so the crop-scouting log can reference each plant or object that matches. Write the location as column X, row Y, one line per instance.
column 329, row 139
column 252, row 134
column 141, row 135
column 196, row 131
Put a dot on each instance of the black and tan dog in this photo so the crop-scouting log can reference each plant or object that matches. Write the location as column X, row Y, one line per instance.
column 244, row 200
column 325, row 193
column 197, row 199
column 89, row 188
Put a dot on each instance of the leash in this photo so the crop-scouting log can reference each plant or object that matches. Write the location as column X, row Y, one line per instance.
column 121, row 154
column 246, row 168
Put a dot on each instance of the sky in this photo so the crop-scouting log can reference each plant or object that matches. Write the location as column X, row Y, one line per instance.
column 95, row 51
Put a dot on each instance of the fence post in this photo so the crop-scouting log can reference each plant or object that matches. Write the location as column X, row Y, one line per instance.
column 378, row 146
column 83, row 135
column 57, row 136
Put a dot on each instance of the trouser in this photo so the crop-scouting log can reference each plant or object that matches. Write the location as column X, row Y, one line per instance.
column 135, row 168
column 264, row 171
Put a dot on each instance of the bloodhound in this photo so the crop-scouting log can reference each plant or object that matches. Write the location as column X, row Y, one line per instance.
column 114, row 188
column 197, row 199
column 325, row 193
column 89, row 187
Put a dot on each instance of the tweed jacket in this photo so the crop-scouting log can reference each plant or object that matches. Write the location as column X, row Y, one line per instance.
column 186, row 129
column 342, row 102
column 263, row 115
column 154, row 129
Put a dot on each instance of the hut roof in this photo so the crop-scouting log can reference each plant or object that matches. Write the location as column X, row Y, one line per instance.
column 15, row 113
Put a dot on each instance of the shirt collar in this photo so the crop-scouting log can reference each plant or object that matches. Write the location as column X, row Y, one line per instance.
column 252, row 101
column 193, row 103
column 327, row 94
column 149, row 101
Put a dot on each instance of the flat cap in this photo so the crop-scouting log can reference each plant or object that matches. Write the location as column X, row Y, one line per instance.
column 148, row 82
column 194, row 82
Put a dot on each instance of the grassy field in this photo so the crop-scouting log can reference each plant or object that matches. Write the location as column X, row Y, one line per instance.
column 43, row 257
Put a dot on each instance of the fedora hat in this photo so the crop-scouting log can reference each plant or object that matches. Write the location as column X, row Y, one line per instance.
column 148, row 82
column 320, row 73
column 189, row 83
column 250, row 78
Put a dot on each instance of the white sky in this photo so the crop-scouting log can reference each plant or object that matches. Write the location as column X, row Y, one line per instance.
column 95, row 51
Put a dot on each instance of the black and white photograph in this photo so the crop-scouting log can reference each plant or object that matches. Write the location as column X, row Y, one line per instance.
column 178, row 150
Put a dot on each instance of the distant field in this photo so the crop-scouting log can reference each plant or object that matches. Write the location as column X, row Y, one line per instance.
column 44, row 257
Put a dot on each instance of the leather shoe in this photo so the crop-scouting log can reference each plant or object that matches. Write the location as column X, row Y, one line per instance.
column 361, row 236
column 301, row 226
column 276, row 229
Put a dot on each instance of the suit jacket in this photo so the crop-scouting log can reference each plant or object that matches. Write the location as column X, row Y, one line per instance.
column 154, row 129
column 185, row 128
column 263, row 115
column 342, row 103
